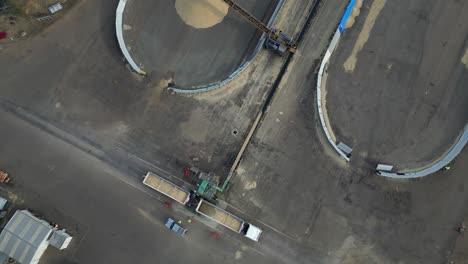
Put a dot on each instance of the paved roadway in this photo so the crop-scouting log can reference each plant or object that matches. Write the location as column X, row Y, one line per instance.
column 76, row 80
column 112, row 217
column 165, row 46
column 405, row 103
column 290, row 179
column 295, row 182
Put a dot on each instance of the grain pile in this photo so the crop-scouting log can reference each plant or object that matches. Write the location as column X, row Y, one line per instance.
column 201, row 13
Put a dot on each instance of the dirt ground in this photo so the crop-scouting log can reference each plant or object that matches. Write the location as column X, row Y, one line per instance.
column 24, row 18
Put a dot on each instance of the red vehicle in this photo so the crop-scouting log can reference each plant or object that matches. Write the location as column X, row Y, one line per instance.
column 4, row 177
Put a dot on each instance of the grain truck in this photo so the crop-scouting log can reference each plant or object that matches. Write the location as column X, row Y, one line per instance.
column 228, row 220
column 166, row 187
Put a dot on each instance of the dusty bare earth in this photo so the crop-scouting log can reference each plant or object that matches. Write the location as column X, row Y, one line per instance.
column 24, row 18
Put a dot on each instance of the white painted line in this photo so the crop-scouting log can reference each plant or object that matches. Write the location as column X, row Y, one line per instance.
column 79, row 242
column 235, row 239
column 148, row 163
column 263, row 223
column 120, row 38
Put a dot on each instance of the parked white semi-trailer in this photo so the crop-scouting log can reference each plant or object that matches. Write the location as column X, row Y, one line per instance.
column 166, row 187
column 228, row 220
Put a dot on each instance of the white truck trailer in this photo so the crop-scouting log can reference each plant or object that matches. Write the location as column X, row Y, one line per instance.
column 166, row 187
column 228, row 220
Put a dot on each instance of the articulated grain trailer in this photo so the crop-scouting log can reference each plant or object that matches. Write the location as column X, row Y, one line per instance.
column 166, row 187
column 228, row 220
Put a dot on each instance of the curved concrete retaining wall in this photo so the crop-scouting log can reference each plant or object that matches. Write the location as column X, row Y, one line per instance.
column 457, row 148
column 323, row 66
column 118, row 29
column 452, row 154
column 220, row 84
column 236, row 72
column 320, row 106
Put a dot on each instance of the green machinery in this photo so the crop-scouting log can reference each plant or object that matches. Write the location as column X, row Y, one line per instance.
column 208, row 185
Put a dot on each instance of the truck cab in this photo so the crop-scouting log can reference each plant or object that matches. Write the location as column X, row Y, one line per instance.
column 252, row 232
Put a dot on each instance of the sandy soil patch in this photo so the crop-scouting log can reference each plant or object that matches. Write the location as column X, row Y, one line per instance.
column 374, row 12
column 201, row 13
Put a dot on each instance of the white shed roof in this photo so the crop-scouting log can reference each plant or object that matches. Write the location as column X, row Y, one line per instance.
column 3, row 202
column 60, row 239
column 24, row 238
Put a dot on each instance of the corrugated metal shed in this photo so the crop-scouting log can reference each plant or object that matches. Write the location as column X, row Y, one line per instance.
column 60, row 239
column 56, row 7
column 25, row 237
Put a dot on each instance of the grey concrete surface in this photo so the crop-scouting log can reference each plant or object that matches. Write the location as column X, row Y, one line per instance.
column 441, row 164
column 460, row 254
column 267, row 155
column 74, row 76
column 161, row 41
column 112, row 218
column 406, row 101
column 293, row 180
column 313, row 208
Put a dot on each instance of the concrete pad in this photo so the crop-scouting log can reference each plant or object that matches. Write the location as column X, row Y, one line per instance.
column 112, row 218
column 397, row 83
column 161, row 41
column 275, row 159
column 77, row 79
column 328, row 224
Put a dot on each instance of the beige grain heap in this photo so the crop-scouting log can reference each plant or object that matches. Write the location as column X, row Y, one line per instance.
column 201, row 13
